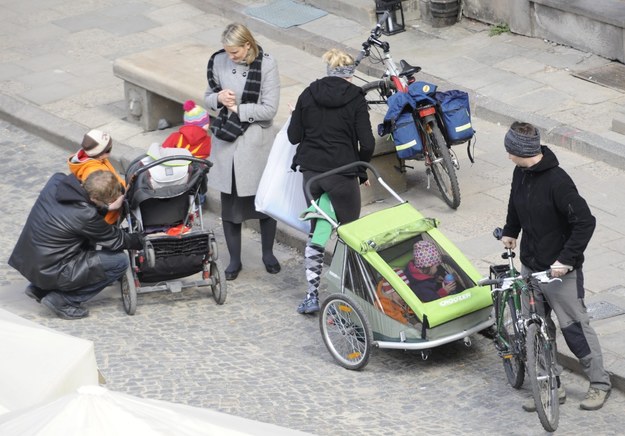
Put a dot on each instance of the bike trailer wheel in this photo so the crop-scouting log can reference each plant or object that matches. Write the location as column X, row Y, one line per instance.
column 346, row 331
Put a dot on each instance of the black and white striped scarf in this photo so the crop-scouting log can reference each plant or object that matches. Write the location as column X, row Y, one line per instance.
column 229, row 127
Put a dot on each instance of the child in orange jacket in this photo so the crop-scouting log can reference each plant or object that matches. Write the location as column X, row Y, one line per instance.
column 94, row 156
column 194, row 134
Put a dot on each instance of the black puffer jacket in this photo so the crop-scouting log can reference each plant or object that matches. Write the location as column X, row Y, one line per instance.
column 556, row 221
column 329, row 122
column 56, row 248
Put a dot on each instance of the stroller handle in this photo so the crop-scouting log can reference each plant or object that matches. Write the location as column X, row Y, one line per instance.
column 206, row 164
column 343, row 169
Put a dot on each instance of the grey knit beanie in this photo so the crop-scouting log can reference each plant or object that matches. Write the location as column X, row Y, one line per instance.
column 521, row 144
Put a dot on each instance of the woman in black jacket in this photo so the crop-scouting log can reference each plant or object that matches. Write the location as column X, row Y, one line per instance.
column 331, row 124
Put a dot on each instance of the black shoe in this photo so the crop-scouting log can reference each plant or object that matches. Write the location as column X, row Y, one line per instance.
column 232, row 275
column 273, row 268
column 35, row 293
column 62, row 308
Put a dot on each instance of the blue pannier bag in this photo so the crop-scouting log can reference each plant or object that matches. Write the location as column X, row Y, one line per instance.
column 420, row 91
column 456, row 114
column 406, row 136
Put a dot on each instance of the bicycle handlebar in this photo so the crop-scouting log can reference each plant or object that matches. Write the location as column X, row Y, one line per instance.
column 486, row 281
column 378, row 26
column 500, row 282
column 373, row 39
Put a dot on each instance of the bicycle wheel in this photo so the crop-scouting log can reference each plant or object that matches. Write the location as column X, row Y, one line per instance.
column 540, row 368
column 346, row 331
column 377, row 93
column 508, row 339
column 443, row 167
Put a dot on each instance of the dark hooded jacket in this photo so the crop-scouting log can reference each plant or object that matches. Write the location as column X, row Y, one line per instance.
column 555, row 219
column 331, row 124
column 56, row 249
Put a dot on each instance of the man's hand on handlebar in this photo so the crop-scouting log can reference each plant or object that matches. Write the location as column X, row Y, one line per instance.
column 559, row 269
column 509, row 242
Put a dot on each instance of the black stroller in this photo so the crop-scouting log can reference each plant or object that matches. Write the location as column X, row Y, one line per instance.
column 162, row 202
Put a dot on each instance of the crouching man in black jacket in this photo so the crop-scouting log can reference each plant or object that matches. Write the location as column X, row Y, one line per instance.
column 56, row 250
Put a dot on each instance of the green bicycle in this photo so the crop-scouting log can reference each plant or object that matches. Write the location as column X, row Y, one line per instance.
column 521, row 337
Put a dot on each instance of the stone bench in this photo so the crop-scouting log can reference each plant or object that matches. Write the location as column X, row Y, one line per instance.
column 157, row 82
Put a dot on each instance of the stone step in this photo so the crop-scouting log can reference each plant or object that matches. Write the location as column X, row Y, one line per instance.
column 618, row 123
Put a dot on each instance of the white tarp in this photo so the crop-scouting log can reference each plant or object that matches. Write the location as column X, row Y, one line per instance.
column 39, row 364
column 96, row 411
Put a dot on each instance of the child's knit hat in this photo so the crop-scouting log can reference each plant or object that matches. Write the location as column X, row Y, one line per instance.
column 95, row 142
column 194, row 115
column 425, row 254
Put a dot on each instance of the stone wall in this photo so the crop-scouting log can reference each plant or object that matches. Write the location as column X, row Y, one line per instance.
column 596, row 26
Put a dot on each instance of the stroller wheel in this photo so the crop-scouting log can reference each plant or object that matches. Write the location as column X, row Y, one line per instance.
column 150, row 256
column 213, row 246
column 129, row 292
column 346, row 331
column 219, row 287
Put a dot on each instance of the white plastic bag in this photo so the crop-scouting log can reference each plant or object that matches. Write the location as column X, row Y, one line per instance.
column 280, row 192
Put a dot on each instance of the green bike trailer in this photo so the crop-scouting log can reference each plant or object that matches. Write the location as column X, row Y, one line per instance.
column 368, row 252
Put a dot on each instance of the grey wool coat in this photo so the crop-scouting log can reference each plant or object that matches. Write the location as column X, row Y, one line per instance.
column 249, row 152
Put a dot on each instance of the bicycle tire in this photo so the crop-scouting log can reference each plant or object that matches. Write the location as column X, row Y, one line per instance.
column 508, row 340
column 540, row 369
column 346, row 331
column 443, row 167
column 377, row 94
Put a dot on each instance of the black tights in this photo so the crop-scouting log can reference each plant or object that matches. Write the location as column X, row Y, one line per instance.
column 232, row 232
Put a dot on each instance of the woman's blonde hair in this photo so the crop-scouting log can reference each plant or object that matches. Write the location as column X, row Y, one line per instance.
column 337, row 58
column 236, row 35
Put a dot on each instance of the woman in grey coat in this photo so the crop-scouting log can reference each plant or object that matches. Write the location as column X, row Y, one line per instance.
column 244, row 87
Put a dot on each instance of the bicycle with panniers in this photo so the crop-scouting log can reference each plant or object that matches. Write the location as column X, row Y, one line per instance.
column 422, row 122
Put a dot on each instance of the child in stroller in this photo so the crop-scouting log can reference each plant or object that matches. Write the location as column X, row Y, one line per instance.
column 162, row 203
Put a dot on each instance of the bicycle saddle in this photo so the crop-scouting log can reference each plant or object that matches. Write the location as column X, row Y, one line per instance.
column 407, row 69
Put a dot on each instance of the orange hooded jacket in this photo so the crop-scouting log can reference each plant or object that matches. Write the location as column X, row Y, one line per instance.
column 81, row 166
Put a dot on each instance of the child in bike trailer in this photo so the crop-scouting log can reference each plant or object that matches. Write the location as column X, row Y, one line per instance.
column 557, row 225
column 423, row 275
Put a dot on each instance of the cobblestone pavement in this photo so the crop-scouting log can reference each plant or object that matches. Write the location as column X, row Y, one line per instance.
column 255, row 357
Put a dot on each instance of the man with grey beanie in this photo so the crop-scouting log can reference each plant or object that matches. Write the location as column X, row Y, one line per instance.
column 557, row 225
